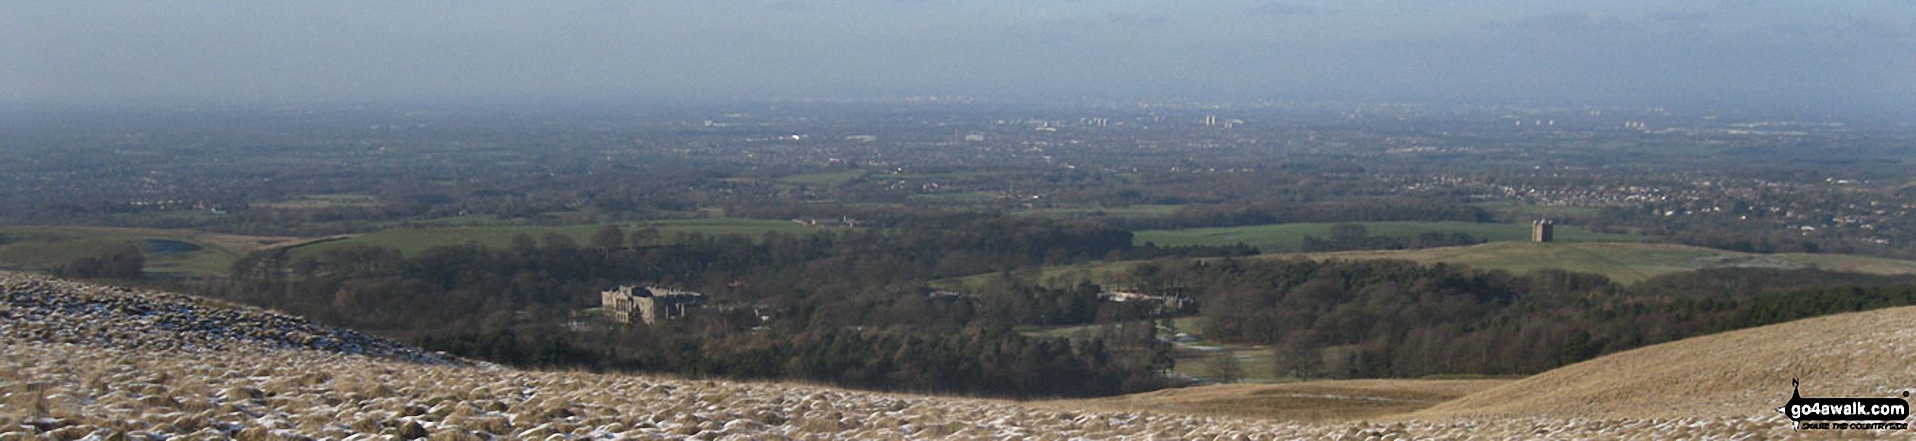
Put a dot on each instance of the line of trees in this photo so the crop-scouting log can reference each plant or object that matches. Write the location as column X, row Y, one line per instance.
column 1346, row 237
column 1344, row 319
column 1355, row 209
column 123, row 264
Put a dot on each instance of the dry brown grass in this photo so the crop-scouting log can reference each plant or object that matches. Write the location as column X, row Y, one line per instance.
column 1734, row 374
column 1315, row 401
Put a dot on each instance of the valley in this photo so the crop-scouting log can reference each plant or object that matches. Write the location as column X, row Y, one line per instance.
column 141, row 383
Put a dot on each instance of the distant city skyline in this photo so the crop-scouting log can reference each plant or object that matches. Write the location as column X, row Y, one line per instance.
column 1855, row 56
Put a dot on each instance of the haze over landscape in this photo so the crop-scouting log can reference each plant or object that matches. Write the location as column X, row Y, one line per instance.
column 931, row 219
column 1798, row 56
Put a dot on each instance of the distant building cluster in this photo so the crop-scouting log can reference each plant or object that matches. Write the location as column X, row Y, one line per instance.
column 813, row 222
column 651, row 305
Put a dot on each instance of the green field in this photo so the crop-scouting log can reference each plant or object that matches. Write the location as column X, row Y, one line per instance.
column 167, row 252
column 969, row 197
column 325, row 201
column 1194, row 359
column 1287, row 237
column 413, row 240
column 1140, row 210
column 828, row 179
column 1623, row 262
column 193, row 253
column 1256, row 361
column 466, row 220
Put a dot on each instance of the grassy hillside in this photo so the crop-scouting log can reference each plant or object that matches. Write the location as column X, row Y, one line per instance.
column 413, row 240
column 1624, row 262
column 1318, row 401
column 1738, row 377
column 1733, row 374
column 168, row 252
column 1287, row 237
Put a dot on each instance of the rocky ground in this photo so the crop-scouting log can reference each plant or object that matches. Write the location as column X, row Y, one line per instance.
column 84, row 361
column 41, row 309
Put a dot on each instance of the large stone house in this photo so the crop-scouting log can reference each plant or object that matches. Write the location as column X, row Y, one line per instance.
column 650, row 305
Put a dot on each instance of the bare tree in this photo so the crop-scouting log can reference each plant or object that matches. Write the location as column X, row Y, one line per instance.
column 645, row 237
column 609, row 238
column 1225, row 367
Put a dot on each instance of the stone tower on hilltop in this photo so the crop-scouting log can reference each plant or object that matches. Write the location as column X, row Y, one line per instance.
column 1542, row 230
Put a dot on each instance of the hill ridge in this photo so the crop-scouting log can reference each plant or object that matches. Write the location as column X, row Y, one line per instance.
column 41, row 308
column 1736, row 373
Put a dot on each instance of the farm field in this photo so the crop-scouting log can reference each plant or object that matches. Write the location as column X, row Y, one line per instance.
column 827, row 179
column 1139, row 210
column 1623, row 262
column 325, row 201
column 969, row 197
column 1195, row 359
column 413, row 240
column 1277, row 238
column 168, row 252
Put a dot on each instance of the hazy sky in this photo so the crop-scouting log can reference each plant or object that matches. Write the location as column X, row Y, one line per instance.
column 1858, row 53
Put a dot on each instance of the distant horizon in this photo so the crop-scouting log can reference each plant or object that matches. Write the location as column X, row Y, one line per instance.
column 1784, row 55
column 599, row 104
